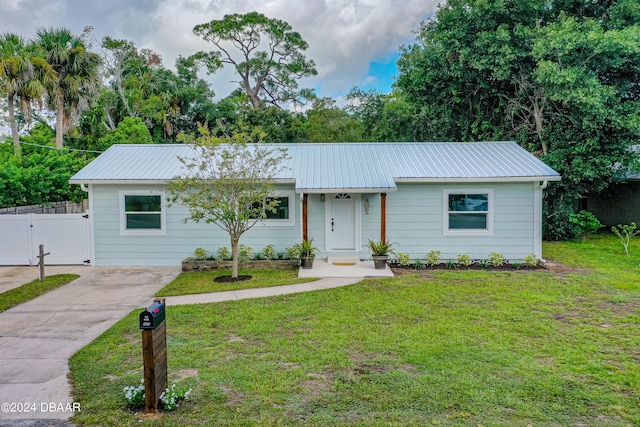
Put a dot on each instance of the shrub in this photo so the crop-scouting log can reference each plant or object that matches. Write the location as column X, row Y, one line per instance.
column 200, row 254
column 402, row 259
column 224, row 253
column 244, row 252
column 270, row 252
column 433, row 258
column 587, row 223
column 464, row 260
column 625, row 233
column 531, row 260
column 496, row 259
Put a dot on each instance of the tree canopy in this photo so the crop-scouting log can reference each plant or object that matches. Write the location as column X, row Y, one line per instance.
column 266, row 53
column 560, row 78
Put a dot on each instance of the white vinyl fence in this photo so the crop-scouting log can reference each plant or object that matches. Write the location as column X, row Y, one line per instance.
column 65, row 236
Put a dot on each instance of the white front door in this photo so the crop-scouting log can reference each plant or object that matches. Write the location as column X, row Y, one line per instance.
column 342, row 224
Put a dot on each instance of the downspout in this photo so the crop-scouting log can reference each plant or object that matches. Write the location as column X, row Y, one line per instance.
column 538, row 220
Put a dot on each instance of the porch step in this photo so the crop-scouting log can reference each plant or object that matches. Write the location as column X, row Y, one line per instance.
column 342, row 260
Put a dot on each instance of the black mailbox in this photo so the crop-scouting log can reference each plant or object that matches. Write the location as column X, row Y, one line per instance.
column 152, row 317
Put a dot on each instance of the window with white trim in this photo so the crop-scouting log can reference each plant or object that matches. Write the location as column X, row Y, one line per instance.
column 142, row 212
column 284, row 213
column 468, row 212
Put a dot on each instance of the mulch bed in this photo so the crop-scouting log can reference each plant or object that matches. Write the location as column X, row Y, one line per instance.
column 550, row 266
column 229, row 279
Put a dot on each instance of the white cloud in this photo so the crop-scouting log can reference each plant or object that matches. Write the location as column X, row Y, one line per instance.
column 344, row 36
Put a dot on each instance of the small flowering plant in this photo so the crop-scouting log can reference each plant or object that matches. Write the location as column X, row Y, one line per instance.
column 135, row 395
column 171, row 396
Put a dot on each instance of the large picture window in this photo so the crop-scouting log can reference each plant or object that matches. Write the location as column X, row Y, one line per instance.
column 468, row 212
column 142, row 213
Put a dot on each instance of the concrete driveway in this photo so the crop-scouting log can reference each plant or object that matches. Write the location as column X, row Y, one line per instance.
column 37, row 338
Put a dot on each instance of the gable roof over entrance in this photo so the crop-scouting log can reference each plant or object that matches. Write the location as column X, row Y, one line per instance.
column 354, row 167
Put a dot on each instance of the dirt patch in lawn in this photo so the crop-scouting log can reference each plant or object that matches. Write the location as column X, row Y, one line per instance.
column 316, row 384
column 561, row 270
column 182, row 374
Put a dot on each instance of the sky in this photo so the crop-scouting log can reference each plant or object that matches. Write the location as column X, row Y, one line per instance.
column 352, row 42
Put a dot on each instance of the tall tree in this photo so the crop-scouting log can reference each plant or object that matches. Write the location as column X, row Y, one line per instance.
column 78, row 78
column 229, row 181
column 24, row 77
column 561, row 78
column 267, row 56
column 139, row 85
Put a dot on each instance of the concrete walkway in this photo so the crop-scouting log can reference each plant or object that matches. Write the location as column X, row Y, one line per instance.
column 326, row 283
column 37, row 338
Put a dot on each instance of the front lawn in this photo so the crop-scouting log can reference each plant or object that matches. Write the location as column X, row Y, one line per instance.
column 203, row 282
column 449, row 348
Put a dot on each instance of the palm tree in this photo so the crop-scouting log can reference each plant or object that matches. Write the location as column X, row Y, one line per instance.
column 24, row 77
column 77, row 71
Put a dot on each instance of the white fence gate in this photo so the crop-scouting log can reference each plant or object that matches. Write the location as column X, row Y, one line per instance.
column 64, row 236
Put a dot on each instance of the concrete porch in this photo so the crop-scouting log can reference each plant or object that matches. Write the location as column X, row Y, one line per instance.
column 343, row 267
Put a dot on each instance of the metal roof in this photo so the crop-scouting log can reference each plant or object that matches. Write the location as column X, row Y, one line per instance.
column 316, row 167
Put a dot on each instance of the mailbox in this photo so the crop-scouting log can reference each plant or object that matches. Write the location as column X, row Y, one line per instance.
column 152, row 317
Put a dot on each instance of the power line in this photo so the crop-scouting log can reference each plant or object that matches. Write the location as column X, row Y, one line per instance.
column 54, row 148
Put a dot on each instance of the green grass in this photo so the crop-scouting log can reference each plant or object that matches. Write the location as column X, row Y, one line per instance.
column 450, row 348
column 29, row 291
column 202, row 282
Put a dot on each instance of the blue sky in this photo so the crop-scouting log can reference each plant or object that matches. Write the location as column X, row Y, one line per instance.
column 353, row 42
column 383, row 74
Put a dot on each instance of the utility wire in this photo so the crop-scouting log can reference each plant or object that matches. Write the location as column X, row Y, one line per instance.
column 54, row 148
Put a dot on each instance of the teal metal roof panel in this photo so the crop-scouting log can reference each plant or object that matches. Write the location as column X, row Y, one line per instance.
column 336, row 166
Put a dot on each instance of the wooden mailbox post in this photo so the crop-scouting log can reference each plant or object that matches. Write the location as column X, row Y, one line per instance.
column 154, row 354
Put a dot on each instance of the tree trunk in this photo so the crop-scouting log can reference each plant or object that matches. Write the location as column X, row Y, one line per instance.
column 14, row 125
column 234, row 256
column 59, row 122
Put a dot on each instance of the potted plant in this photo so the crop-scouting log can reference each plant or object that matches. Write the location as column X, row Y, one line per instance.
column 380, row 253
column 306, row 252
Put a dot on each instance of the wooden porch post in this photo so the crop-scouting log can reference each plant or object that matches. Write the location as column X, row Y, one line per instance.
column 383, row 217
column 305, row 213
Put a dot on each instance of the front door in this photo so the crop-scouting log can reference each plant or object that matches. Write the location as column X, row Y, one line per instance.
column 342, row 226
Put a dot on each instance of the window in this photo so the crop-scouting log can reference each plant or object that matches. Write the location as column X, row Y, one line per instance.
column 468, row 212
column 283, row 213
column 142, row 213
